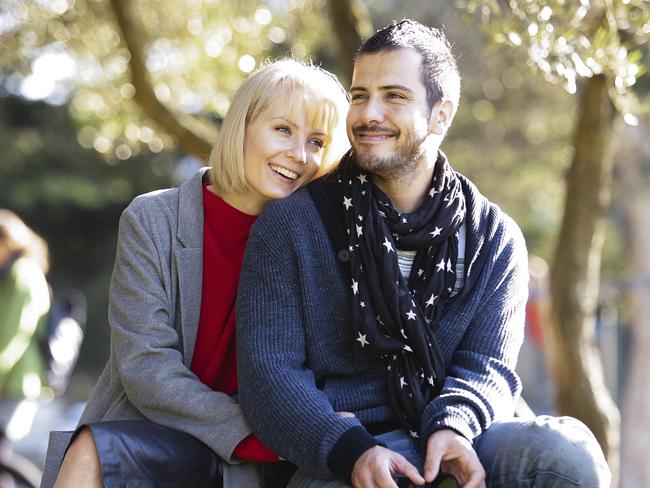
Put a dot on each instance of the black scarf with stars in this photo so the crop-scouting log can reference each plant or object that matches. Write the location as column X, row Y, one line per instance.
column 395, row 317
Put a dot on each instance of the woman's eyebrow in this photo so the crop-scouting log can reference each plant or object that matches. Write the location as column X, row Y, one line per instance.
column 316, row 132
column 284, row 119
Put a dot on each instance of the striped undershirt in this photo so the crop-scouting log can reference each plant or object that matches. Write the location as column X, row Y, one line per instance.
column 405, row 261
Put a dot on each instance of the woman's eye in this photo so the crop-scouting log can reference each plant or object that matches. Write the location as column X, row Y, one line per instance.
column 317, row 143
column 283, row 128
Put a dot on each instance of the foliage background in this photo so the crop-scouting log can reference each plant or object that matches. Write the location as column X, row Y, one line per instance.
column 77, row 144
column 64, row 167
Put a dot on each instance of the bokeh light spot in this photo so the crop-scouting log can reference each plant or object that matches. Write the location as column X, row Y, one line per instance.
column 247, row 63
column 263, row 16
column 127, row 90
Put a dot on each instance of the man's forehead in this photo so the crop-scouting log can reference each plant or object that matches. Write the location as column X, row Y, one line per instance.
column 388, row 70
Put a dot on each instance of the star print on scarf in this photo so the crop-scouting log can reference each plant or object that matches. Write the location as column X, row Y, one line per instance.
column 395, row 317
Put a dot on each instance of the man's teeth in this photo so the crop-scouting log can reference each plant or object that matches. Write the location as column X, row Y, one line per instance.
column 284, row 171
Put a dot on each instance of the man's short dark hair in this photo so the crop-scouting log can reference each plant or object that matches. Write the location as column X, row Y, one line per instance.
column 439, row 71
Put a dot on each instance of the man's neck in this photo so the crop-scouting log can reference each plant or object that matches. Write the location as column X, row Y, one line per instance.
column 407, row 191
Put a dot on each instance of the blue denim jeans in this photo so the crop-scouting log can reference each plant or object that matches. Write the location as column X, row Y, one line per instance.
column 546, row 452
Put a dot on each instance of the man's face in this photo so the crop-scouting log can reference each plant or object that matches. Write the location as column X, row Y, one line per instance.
column 388, row 120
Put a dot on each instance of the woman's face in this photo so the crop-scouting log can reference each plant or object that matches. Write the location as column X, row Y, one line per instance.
column 281, row 154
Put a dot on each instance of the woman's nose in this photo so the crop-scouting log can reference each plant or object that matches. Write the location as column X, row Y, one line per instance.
column 297, row 152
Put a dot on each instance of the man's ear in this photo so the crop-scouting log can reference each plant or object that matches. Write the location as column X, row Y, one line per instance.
column 441, row 116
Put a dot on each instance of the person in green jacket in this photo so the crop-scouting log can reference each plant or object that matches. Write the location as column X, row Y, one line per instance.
column 24, row 305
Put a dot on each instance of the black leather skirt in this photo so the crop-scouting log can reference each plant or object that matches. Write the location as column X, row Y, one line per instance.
column 137, row 453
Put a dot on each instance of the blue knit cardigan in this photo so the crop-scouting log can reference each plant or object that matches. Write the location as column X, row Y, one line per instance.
column 296, row 364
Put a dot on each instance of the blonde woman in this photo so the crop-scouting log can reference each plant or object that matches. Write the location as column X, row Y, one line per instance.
column 172, row 297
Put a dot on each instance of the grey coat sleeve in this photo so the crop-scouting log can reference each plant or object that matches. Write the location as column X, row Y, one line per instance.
column 147, row 347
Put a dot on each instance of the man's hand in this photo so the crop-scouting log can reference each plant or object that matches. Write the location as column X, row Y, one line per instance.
column 376, row 466
column 454, row 455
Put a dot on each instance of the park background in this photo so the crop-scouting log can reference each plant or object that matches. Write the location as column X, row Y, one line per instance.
column 101, row 100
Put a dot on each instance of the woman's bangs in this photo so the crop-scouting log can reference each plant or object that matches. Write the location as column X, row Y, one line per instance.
column 319, row 111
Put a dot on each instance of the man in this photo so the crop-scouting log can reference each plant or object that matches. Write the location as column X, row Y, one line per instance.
column 412, row 326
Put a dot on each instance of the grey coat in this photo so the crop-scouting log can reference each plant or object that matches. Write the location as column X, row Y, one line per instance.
column 155, row 300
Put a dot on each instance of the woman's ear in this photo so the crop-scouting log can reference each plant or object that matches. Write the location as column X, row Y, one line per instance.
column 441, row 116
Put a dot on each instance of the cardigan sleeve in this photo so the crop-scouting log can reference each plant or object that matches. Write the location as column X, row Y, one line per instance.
column 481, row 384
column 147, row 348
column 279, row 393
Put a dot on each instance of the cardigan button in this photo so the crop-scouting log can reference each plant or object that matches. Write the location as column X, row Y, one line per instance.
column 344, row 255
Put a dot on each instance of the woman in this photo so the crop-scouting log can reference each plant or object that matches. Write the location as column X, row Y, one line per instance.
column 172, row 296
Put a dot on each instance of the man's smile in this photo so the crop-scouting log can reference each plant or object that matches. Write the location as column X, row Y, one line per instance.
column 374, row 134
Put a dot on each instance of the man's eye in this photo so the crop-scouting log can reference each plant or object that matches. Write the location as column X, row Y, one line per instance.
column 357, row 96
column 397, row 96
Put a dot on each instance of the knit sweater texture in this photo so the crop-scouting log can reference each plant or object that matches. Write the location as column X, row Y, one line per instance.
column 296, row 364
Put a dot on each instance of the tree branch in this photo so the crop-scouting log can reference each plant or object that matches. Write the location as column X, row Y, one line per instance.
column 352, row 24
column 192, row 137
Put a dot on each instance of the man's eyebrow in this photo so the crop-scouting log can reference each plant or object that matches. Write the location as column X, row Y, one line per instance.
column 384, row 88
column 396, row 87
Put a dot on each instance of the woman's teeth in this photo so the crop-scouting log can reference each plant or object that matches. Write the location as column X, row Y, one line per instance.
column 287, row 173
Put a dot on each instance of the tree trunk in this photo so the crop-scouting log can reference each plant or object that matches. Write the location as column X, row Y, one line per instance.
column 192, row 136
column 636, row 406
column 636, row 399
column 351, row 24
column 575, row 275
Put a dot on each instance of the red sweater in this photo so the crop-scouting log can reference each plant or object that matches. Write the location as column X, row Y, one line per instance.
column 225, row 232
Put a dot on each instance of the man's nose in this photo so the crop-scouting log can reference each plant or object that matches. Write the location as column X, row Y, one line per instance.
column 372, row 112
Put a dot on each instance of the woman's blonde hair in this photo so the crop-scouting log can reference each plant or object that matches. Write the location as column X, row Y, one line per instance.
column 293, row 84
column 21, row 241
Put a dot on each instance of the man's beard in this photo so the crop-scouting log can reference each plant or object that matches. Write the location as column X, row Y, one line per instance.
column 400, row 163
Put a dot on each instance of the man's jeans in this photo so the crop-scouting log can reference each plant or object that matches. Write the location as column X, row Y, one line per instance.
column 543, row 452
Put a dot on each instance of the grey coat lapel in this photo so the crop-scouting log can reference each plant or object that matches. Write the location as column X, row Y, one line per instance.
column 189, row 260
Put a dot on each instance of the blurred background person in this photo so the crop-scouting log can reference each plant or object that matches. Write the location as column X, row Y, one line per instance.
column 24, row 307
